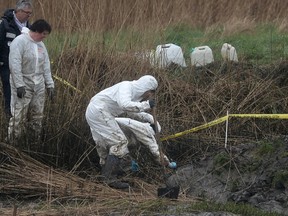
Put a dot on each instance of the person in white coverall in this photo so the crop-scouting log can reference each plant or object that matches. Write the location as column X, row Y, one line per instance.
column 132, row 98
column 30, row 76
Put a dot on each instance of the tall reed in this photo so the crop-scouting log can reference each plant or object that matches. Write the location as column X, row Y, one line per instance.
column 93, row 47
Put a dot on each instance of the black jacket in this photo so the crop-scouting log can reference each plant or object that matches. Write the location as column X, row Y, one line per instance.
column 8, row 31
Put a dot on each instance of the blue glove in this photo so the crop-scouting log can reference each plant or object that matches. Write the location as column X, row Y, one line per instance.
column 172, row 165
column 134, row 166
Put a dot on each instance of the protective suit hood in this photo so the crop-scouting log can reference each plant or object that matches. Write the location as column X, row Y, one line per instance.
column 143, row 84
column 25, row 30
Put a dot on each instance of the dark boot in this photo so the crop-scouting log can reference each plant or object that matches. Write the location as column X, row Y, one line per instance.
column 124, row 165
column 110, row 171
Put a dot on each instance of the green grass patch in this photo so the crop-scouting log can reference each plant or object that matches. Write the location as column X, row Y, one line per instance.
column 265, row 147
column 222, row 160
column 242, row 209
column 264, row 45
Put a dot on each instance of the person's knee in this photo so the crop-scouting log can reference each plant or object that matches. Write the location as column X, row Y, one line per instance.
column 119, row 151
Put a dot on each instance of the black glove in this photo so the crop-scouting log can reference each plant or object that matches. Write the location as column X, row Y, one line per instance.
column 21, row 92
column 152, row 103
column 50, row 92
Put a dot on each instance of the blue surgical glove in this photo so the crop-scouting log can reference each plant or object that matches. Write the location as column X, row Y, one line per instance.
column 172, row 165
column 134, row 166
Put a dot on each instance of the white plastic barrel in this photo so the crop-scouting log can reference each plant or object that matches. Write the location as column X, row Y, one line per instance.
column 166, row 54
column 201, row 56
column 228, row 53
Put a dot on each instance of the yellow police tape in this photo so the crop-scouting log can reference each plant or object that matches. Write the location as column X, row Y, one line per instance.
column 206, row 125
column 66, row 83
column 272, row 116
column 225, row 118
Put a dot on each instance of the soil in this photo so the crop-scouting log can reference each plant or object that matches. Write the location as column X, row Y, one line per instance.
column 251, row 173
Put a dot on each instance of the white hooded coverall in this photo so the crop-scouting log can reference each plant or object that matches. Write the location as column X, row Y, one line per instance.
column 122, row 98
column 30, row 67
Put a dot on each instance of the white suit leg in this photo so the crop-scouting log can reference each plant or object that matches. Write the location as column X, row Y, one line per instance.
column 106, row 127
column 19, row 109
column 36, row 109
column 103, row 153
column 100, row 147
column 144, row 134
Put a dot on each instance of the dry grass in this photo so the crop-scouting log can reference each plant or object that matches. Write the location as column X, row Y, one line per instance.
column 112, row 14
column 33, row 188
column 185, row 99
column 238, row 26
column 24, row 176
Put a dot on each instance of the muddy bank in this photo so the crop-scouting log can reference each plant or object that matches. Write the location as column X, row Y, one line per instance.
column 252, row 173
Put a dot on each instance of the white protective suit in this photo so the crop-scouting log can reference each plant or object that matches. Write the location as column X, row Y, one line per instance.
column 123, row 98
column 30, row 67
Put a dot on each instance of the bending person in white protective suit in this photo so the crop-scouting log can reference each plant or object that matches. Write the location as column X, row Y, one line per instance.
column 133, row 99
column 30, row 75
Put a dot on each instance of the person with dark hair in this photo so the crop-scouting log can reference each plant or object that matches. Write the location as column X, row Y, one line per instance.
column 40, row 26
column 30, row 74
column 11, row 25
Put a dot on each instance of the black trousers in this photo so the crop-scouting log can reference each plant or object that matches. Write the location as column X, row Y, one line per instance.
column 5, row 76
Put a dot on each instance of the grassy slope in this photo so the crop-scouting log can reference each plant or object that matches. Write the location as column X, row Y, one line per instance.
column 259, row 44
column 255, row 46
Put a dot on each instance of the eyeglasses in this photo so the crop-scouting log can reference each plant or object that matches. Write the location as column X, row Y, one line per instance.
column 27, row 12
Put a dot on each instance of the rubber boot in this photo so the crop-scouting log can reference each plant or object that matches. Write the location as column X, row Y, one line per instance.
column 124, row 165
column 110, row 171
